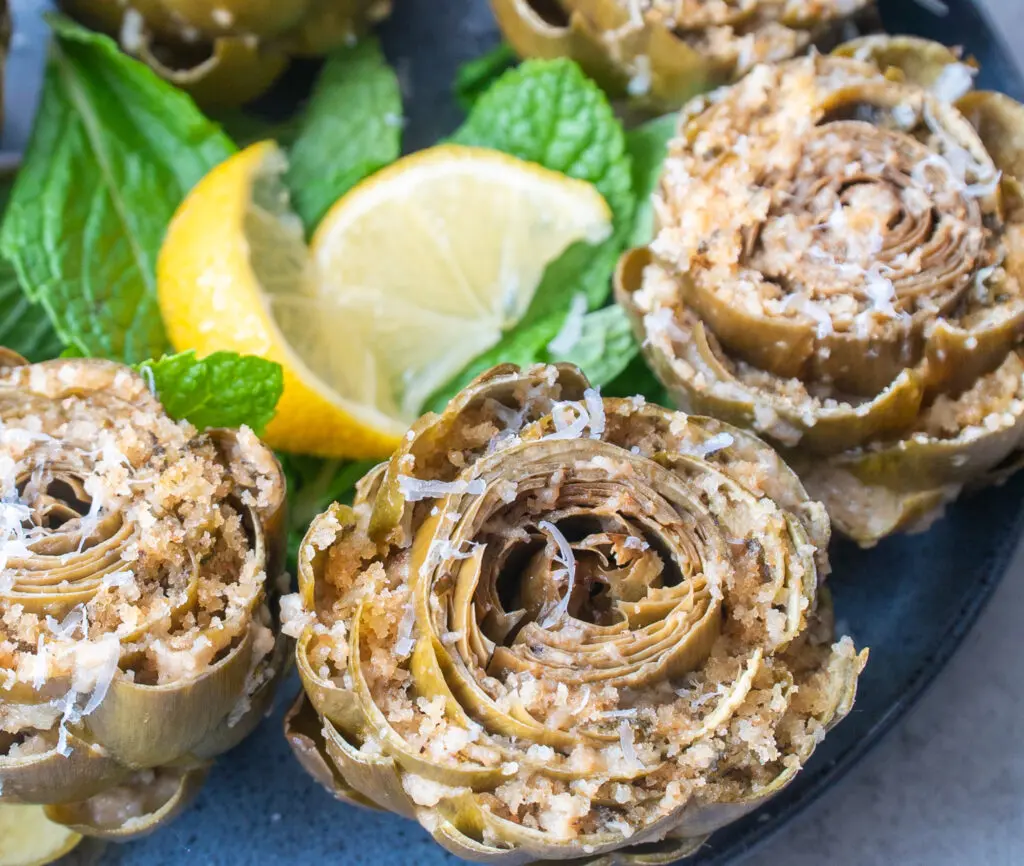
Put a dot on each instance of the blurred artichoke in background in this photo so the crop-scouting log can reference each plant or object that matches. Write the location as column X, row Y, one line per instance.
column 556, row 626
column 138, row 567
column 228, row 52
column 838, row 266
column 662, row 52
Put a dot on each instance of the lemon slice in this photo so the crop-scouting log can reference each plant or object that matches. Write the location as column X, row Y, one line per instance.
column 410, row 276
column 29, row 838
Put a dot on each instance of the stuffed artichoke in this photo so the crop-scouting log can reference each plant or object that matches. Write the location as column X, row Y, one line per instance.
column 228, row 52
column 838, row 267
column 556, row 626
column 138, row 566
column 662, row 52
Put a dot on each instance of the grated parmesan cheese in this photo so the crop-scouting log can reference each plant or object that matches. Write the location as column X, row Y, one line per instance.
column 405, row 644
column 628, row 746
column 595, row 407
column 414, row 489
column 566, row 558
column 954, row 81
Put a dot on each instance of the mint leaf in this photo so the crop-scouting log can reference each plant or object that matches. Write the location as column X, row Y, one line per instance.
column 113, row 151
column 224, row 389
column 351, row 127
column 605, row 347
column 549, row 112
column 474, row 77
column 647, row 145
column 245, row 127
column 24, row 326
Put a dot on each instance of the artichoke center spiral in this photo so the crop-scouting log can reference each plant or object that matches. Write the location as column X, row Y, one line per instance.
column 598, row 586
column 867, row 225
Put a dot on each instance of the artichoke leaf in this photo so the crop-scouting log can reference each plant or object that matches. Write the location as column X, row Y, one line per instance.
column 304, row 732
column 140, row 806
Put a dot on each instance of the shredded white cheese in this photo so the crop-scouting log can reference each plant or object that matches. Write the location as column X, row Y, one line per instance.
column 103, row 658
column 406, row 643
column 718, row 442
column 955, row 80
column 626, row 742
column 980, row 289
column 567, row 559
column 640, row 82
column 132, row 38
column 414, row 489
column 568, row 430
column 983, row 188
column 595, row 408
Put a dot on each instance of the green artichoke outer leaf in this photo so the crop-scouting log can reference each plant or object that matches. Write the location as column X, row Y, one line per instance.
column 919, row 61
column 859, row 300
column 305, row 734
column 164, row 794
column 154, row 644
column 521, row 601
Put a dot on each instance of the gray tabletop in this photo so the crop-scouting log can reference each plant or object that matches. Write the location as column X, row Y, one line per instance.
column 946, row 787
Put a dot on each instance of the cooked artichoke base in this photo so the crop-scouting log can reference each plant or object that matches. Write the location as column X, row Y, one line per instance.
column 838, row 266
column 138, row 797
column 133, row 589
column 166, row 596
column 594, row 616
column 637, row 730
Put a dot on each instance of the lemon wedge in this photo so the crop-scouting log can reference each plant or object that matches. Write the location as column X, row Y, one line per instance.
column 410, row 276
column 29, row 838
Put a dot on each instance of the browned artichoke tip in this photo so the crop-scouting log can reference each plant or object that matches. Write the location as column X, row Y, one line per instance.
column 138, row 574
column 555, row 626
column 662, row 52
column 837, row 266
column 227, row 53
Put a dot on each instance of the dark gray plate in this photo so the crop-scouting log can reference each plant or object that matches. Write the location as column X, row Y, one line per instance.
column 911, row 599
